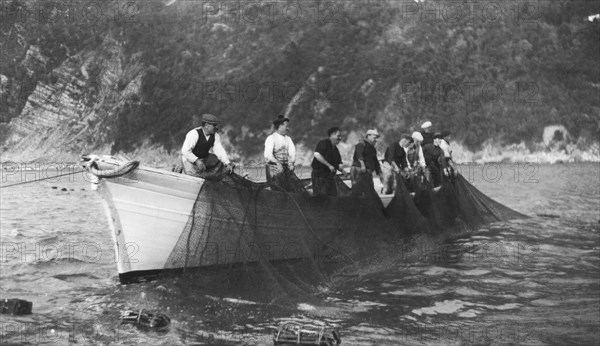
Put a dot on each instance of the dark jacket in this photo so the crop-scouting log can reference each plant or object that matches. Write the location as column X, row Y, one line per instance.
column 366, row 151
column 433, row 155
column 427, row 138
column 330, row 153
column 395, row 153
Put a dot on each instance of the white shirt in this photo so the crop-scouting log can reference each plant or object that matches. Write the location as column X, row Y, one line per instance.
column 276, row 147
column 445, row 148
column 421, row 157
column 190, row 142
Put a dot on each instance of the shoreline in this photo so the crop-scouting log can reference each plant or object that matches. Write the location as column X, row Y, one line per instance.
column 491, row 153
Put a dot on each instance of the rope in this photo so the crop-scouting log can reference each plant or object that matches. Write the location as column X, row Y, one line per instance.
column 93, row 169
column 112, row 173
column 36, row 180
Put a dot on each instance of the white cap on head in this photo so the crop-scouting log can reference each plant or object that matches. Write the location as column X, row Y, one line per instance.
column 426, row 125
column 373, row 132
column 417, row 136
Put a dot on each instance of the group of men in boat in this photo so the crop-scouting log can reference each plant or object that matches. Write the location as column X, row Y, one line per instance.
column 423, row 155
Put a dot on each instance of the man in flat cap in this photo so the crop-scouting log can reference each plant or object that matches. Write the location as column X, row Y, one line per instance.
column 427, row 132
column 364, row 160
column 415, row 153
column 415, row 156
column 396, row 157
column 202, row 152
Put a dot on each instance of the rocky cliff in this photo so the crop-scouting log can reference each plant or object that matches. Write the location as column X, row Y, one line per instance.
column 129, row 82
column 66, row 114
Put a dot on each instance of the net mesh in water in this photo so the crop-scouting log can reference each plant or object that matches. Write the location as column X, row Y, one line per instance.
column 275, row 241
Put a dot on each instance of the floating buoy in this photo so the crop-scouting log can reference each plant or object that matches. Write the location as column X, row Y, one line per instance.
column 15, row 306
column 146, row 320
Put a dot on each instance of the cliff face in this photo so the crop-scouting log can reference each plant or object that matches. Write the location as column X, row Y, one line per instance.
column 132, row 80
column 71, row 114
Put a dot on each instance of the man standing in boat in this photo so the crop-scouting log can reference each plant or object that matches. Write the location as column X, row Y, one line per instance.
column 326, row 163
column 280, row 152
column 396, row 156
column 427, row 132
column 202, row 153
column 434, row 159
column 445, row 146
column 415, row 156
column 364, row 161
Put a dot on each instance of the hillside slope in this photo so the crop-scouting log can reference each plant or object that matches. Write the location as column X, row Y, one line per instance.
column 132, row 76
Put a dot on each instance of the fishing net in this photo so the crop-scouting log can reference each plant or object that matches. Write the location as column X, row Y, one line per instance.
column 277, row 242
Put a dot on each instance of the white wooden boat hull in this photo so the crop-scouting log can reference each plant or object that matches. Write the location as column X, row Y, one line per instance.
column 148, row 209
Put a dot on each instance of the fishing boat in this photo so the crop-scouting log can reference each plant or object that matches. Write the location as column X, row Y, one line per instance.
column 148, row 210
column 167, row 221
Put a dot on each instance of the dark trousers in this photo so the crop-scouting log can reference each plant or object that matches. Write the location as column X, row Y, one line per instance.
column 362, row 182
column 435, row 176
column 323, row 185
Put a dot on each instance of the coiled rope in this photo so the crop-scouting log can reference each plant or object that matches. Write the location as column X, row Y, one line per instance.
column 92, row 167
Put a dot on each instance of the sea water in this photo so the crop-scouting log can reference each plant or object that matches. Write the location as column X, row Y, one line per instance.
column 531, row 282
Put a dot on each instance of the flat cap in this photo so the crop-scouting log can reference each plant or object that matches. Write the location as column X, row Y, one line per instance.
column 373, row 132
column 417, row 136
column 209, row 118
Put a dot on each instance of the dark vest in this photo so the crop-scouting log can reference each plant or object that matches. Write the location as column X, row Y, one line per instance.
column 427, row 138
column 202, row 145
column 413, row 154
column 432, row 154
column 395, row 153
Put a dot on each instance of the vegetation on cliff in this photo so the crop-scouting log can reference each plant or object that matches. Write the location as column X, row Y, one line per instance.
column 482, row 70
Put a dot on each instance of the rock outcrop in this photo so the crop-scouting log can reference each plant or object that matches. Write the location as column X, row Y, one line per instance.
column 67, row 114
